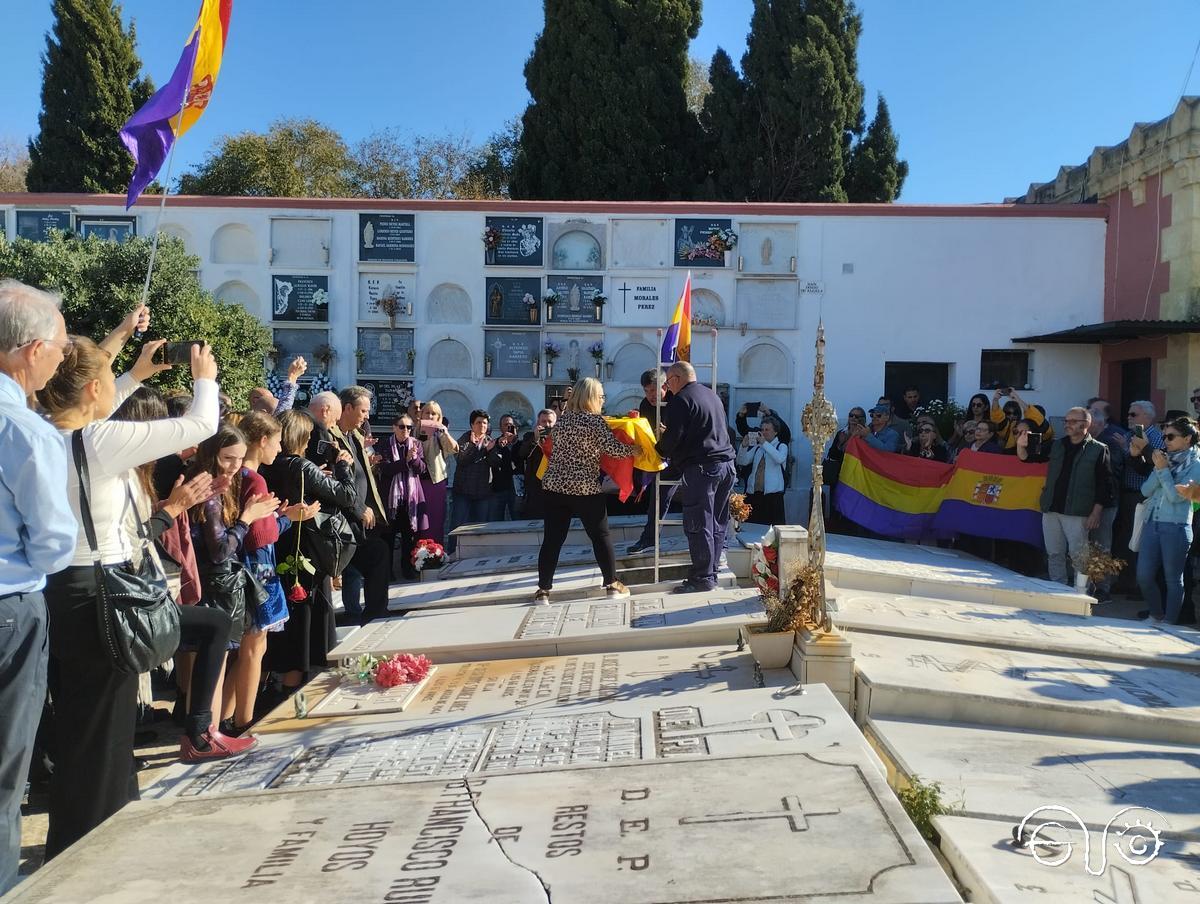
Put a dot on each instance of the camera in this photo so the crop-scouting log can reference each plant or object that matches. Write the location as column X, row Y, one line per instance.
column 180, row 352
column 1035, row 443
column 752, row 409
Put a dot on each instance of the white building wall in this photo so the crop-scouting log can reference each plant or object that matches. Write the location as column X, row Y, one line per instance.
column 918, row 284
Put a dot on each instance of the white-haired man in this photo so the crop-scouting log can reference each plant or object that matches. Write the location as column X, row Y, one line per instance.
column 37, row 537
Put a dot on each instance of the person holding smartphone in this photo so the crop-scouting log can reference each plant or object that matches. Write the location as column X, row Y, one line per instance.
column 504, row 496
column 529, row 459
column 437, row 445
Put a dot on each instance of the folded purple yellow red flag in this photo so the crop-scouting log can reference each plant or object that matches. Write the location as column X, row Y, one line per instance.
column 982, row 494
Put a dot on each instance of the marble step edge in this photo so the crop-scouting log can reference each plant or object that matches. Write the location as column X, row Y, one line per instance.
column 898, row 701
column 897, row 770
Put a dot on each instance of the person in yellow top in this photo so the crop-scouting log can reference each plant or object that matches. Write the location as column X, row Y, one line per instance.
column 1005, row 418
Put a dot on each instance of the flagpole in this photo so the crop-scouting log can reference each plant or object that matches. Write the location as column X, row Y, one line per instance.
column 162, row 206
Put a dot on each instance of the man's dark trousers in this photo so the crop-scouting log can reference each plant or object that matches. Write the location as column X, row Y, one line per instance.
column 23, row 654
column 706, row 489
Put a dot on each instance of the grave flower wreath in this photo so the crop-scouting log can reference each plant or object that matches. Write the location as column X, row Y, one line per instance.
column 764, row 563
column 388, row 671
column 428, row 554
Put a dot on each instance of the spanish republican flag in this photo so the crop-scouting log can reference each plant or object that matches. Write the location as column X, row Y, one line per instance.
column 152, row 130
column 677, row 343
column 982, row 494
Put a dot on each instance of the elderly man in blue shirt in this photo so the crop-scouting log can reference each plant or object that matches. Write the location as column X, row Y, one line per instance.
column 880, row 435
column 37, row 537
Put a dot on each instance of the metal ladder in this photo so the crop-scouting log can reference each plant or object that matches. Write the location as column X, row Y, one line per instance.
column 659, row 482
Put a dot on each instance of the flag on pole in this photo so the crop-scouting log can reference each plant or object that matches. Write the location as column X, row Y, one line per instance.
column 677, row 343
column 152, row 130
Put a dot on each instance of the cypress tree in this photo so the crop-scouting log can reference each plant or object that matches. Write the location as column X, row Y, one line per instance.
column 875, row 172
column 728, row 134
column 609, row 117
column 91, row 85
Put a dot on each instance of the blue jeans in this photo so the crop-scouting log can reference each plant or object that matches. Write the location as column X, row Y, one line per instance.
column 466, row 510
column 706, row 490
column 1164, row 550
column 503, row 506
column 23, row 654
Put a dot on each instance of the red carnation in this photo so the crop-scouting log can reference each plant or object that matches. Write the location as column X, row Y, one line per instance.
column 770, row 553
column 297, row 594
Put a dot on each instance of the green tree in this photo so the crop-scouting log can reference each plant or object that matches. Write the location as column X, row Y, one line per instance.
column 875, row 172
column 14, row 164
column 609, row 116
column 294, row 158
column 726, row 123
column 490, row 173
column 91, row 84
column 101, row 282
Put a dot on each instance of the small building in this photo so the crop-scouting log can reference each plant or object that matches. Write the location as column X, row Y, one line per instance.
column 413, row 301
column 1150, row 184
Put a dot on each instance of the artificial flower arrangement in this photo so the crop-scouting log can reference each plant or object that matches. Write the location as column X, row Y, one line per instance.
column 722, row 240
column 739, row 508
column 551, row 349
column 428, row 554
column 388, row 671
column 764, row 564
column 596, row 350
column 491, row 238
column 390, row 305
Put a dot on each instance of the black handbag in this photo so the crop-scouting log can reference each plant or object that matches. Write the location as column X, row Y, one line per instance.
column 138, row 619
column 327, row 539
column 236, row 591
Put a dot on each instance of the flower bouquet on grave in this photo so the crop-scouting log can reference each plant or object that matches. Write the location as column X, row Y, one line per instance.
column 550, row 299
column 491, row 241
column 531, row 305
column 722, row 240
column 360, row 355
column 739, row 510
column 390, row 305
column 1096, row 566
column 596, row 350
column 387, row 671
column 573, row 374
column 428, row 555
column 324, row 353
column 599, row 301
column 764, row 563
column 551, row 350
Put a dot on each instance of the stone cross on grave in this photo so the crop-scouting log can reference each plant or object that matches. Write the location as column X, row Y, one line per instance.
column 624, row 290
column 783, row 724
column 792, row 810
column 498, row 345
column 703, row 671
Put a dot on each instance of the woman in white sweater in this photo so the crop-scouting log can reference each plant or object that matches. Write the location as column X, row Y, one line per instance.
column 767, row 457
column 94, row 704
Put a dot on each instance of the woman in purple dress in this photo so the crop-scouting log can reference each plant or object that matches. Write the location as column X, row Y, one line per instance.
column 400, row 468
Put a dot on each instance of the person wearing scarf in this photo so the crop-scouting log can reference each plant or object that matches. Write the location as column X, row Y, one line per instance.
column 400, row 469
column 1167, row 534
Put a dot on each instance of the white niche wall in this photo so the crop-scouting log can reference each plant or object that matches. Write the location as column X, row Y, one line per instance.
column 448, row 359
column 448, row 303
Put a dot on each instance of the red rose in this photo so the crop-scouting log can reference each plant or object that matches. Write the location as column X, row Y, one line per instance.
column 297, row 594
column 770, row 553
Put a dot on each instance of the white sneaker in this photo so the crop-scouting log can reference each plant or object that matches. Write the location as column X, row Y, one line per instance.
column 616, row 591
column 542, row 597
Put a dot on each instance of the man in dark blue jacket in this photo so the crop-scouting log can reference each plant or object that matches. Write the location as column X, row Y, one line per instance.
column 696, row 440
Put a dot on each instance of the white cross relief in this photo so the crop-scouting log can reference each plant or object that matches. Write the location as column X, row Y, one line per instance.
column 703, row 670
column 792, row 810
column 784, row 724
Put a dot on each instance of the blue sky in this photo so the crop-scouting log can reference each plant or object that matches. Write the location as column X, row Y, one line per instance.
column 985, row 97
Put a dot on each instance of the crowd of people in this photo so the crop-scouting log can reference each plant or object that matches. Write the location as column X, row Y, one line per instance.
column 1126, row 489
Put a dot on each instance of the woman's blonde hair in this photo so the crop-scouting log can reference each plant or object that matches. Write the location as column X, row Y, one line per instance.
column 433, row 408
column 83, row 362
column 587, row 396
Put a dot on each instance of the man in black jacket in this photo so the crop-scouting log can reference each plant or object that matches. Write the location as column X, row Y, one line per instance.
column 529, row 458
column 696, row 439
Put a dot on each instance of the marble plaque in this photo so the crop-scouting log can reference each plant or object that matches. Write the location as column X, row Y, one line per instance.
column 587, row 626
column 513, row 354
column 108, row 229
column 933, row 681
column 766, row 829
column 641, row 243
column 514, row 301
column 575, row 294
column 300, row 298
column 389, row 399
column 861, row 564
column 1028, row 629
column 387, row 352
column 303, row 342
column 767, row 248
column 992, row 869
column 350, row 697
column 1001, row 773
column 751, row 722
column 387, row 237
column 641, row 301
column 36, row 225
column 372, row 287
column 691, row 242
column 520, row 242
column 768, row 303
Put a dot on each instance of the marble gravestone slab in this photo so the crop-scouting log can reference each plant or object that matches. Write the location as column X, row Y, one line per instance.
column 767, row 828
column 935, row 681
column 992, row 870
column 1028, row 629
column 998, row 773
column 857, row 563
column 496, row 538
column 675, row 548
column 471, row 690
column 585, row 626
column 742, row 723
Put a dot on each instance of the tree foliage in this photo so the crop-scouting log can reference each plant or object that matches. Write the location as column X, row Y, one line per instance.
column 14, row 164
column 101, row 282
column 609, row 117
column 696, row 84
column 789, row 127
column 91, row 84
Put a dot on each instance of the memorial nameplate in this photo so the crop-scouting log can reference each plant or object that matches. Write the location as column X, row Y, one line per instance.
column 575, row 294
column 374, row 287
column 514, row 301
column 641, row 301
column 639, row 831
column 300, row 298
column 387, row 237
column 1029, row 629
column 512, row 354
column 520, row 242
column 390, row 399
column 351, row 697
column 508, row 631
column 109, row 229
column 767, row 249
column 691, row 242
column 930, row 680
column 293, row 342
column 641, row 243
column 36, row 225
column 386, row 351
column 768, row 303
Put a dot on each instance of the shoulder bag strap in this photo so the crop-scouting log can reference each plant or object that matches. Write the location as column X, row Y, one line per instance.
column 85, row 480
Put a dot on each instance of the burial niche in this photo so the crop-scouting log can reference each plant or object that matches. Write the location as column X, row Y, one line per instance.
column 456, row 407
column 707, row 308
column 513, row 403
column 765, row 363
column 448, row 358
column 577, row 250
column 448, row 303
column 234, row 244
column 236, row 292
column 630, row 361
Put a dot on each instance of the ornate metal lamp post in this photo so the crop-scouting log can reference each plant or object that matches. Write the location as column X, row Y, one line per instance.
column 820, row 425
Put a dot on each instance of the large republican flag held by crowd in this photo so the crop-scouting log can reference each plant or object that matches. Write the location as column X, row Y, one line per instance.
column 982, row 494
column 175, row 107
